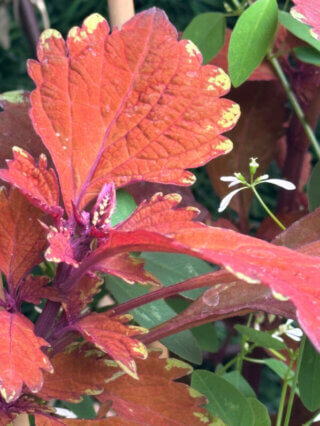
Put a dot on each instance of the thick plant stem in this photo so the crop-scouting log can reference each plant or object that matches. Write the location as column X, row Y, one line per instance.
column 21, row 420
column 120, row 11
column 294, row 102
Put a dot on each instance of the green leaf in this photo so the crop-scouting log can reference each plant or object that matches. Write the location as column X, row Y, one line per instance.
column 260, row 338
column 152, row 314
column 207, row 31
column 261, row 415
column 13, row 96
column 172, row 268
column 205, row 335
column 224, row 400
column 239, row 382
column 279, row 367
column 251, row 38
column 308, row 55
column 125, row 206
column 313, row 188
column 83, row 410
column 299, row 29
column 309, row 377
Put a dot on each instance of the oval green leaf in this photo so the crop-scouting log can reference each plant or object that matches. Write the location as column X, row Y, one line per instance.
column 224, row 400
column 308, row 54
column 260, row 338
column 299, row 29
column 124, row 207
column 309, row 377
column 261, row 415
column 207, row 31
column 251, row 38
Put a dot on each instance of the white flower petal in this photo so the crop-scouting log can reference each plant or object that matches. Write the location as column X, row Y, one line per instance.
column 234, row 183
column 295, row 334
column 282, row 183
column 226, row 200
column 228, row 178
column 261, row 178
column 65, row 412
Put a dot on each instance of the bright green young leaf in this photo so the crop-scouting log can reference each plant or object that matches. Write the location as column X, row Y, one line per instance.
column 299, row 29
column 261, row 415
column 309, row 377
column 313, row 188
column 260, row 338
column 125, row 206
column 239, row 382
column 224, row 400
column 152, row 314
column 172, row 268
column 207, row 31
column 308, row 55
column 205, row 335
column 251, row 38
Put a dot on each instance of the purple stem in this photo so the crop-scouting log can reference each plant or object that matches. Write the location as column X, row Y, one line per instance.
column 190, row 284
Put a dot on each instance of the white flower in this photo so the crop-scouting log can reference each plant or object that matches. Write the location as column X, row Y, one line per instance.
column 226, row 200
column 294, row 333
column 285, row 184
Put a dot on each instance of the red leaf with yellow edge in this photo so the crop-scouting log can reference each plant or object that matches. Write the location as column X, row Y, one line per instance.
column 81, row 295
column 80, row 371
column 60, row 249
column 16, row 127
column 38, row 183
column 157, row 226
column 155, row 399
column 42, row 420
column 22, row 238
column 114, row 337
column 21, row 358
column 129, row 268
column 34, row 288
column 307, row 12
column 128, row 106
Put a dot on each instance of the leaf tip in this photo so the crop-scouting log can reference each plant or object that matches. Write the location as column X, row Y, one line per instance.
column 230, row 116
column 50, row 33
column 92, row 22
column 225, row 145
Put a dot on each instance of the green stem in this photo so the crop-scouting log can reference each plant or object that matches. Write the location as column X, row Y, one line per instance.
column 236, row 4
column 294, row 102
column 284, row 392
column 285, row 6
column 295, row 381
column 267, row 208
column 244, row 351
column 227, row 366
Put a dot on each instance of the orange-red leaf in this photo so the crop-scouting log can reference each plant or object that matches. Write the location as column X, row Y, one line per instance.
column 38, row 183
column 42, row 420
column 34, row 288
column 76, row 372
column 156, row 225
column 21, row 358
column 113, row 336
column 81, row 295
column 60, row 249
column 128, row 106
column 308, row 12
column 155, row 399
column 22, row 238
column 129, row 268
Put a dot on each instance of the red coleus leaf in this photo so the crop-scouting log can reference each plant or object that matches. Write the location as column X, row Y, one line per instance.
column 34, row 288
column 81, row 295
column 42, row 420
column 79, row 371
column 22, row 238
column 20, row 356
column 129, row 268
column 111, row 110
column 60, row 249
column 308, row 12
column 155, row 399
column 113, row 336
column 156, row 225
column 38, row 184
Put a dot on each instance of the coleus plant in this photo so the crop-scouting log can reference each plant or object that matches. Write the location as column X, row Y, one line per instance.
column 113, row 109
